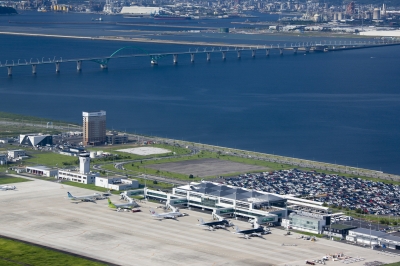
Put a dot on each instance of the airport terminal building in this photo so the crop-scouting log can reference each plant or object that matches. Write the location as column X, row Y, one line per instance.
column 224, row 200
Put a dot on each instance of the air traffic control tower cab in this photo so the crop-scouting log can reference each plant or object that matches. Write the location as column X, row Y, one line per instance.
column 84, row 159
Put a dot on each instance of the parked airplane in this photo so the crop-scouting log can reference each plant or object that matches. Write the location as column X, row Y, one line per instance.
column 222, row 224
column 91, row 198
column 122, row 206
column 257, row 231
column 8, row 187
column 167, row 215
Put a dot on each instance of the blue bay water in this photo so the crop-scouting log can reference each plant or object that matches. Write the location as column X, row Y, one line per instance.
column 338, row 107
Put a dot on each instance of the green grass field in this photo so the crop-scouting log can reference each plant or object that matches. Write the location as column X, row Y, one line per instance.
column 25, row 125
column 143, row 167
column 19, row 253
column 50, row 159
column 14, row 130
column 11, row 180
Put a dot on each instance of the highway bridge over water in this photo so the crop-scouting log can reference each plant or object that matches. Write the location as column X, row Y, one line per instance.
column 103, row 61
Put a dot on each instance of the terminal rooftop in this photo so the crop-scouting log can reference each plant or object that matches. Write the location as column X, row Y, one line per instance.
column 335, row 190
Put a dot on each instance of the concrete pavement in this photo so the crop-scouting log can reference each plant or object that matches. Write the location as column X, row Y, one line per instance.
column 38, row 212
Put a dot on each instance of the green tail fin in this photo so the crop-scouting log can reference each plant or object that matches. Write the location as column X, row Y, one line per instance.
column 110, row 204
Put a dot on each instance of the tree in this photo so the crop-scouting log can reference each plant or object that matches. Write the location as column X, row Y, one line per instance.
column 191, row 176
column 155, row 182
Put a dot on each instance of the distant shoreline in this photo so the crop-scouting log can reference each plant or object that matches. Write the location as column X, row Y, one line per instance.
column 144, row 40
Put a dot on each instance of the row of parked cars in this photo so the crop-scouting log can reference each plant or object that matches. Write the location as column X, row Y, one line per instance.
column 353, row 193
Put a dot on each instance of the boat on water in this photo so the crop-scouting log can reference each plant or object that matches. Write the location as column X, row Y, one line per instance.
column 97, row 19
column 170, row 17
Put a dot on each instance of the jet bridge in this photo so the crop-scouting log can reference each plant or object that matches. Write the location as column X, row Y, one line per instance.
column 125, row 197
column 253, row 215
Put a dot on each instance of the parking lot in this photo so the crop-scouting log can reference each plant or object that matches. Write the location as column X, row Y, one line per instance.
column 354, row 193
column 38, row 212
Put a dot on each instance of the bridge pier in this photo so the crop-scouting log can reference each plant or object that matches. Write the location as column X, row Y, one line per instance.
column 34, row 69
column 307, row 49
column 253, row 53
column 267, row 52
column 238, row 53
column 58, row 67
column 223, row 55
column 208, row 56
column 295, row 50
column 280, row 51
column 175, row 59
column 192, row 57
column 9, row 71
column 79, row 65
column 103, row 66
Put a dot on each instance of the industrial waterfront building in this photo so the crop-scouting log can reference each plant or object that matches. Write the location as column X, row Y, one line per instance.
column 94, row 128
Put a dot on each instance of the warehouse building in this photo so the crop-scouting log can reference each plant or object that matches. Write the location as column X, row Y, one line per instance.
column 42, row 171
column 35, row 140
column 140, row 10
column 365, row 236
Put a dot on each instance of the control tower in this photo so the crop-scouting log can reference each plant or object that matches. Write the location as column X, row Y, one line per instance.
column 84, row 159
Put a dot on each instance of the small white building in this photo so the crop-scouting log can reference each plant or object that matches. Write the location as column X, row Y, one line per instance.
column 41, row 170
column 14, row 154
column 116, row 183
column 365, row 236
